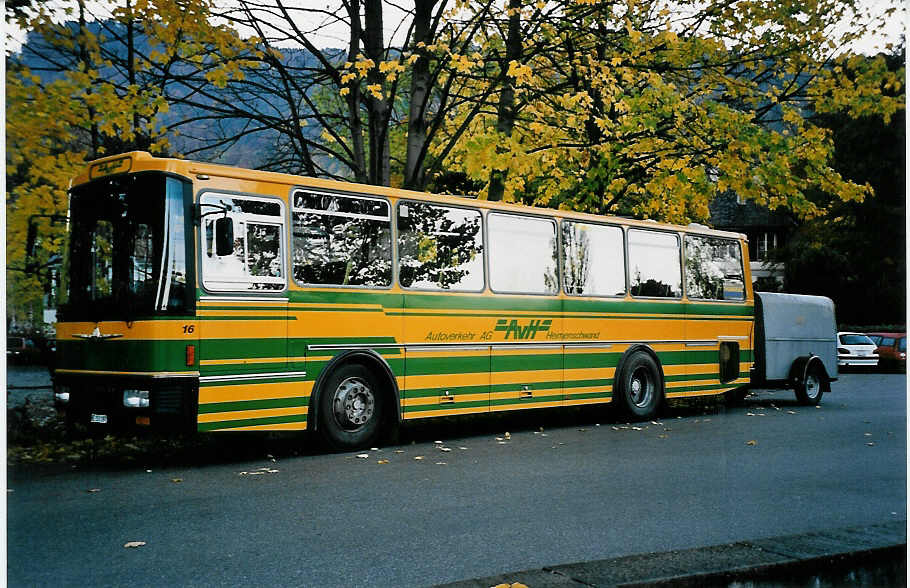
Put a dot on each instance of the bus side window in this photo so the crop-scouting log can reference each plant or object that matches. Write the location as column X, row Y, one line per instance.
column 523, row 254
column 342, row 240
column 714, row 269
column 256, row 261
column 593, row 259
column 654, row 264
column 439, row 247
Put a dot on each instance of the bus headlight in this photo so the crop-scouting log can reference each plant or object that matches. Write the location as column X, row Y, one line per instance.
column 136, row 398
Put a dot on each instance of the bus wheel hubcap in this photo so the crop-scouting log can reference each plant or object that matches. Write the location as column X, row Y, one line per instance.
column 353, row 403
column 640, row 388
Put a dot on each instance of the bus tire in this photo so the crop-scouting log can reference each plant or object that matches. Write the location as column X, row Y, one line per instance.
column 638, row 390
column 809, row 388
column 350, row 408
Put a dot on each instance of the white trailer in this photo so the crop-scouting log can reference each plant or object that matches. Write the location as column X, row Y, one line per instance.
column 795, row 344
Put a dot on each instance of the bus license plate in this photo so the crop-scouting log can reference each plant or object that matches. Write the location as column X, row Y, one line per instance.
column 99, row 418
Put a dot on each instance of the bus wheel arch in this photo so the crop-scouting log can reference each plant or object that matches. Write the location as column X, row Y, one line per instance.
column 638, row 383
column 810, row 380
column 355, row 399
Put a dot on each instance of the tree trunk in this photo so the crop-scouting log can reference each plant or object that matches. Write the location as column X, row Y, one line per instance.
column 414, row 170
column 353, row 98
column 378, row 109
column 506, row 110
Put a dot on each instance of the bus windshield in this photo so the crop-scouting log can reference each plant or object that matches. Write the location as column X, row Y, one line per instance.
column 126, row 254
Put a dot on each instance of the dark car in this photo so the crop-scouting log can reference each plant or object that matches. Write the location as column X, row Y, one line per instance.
column 892, row 349
column 22, row 350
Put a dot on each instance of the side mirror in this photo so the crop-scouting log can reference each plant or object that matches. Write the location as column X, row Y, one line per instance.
column 224, row 236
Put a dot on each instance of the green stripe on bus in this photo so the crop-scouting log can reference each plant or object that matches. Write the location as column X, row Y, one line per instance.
column 243, row 348
column 528, row 400
column 510, row 303
column 447, row 406
column 240, row 380
column 119, row 355
column 213, row 407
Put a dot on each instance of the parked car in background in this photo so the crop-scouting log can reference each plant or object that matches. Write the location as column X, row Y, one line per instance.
column 22, row 350
column 892, row 349
column 856, row 349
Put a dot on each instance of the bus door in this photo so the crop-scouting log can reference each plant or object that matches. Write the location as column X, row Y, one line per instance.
column 243, row 315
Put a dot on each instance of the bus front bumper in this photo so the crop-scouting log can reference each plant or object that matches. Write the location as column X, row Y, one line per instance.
column 127, row 403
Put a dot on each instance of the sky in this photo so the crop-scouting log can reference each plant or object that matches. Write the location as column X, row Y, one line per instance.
column 335, row 36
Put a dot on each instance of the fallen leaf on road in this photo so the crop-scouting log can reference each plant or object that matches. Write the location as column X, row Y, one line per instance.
column 752, row 443
column 399, row 451
column 133, row 544
column 663, row 436
column 176, row 480
column 382, row 461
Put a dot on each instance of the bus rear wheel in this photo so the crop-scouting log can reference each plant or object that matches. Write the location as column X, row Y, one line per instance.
column 350, row 408
column 637, row 391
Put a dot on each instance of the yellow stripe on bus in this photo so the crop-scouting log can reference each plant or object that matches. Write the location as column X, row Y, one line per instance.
column 241, row 392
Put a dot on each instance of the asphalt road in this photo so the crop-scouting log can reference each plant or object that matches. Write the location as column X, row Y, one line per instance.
column 584, row 488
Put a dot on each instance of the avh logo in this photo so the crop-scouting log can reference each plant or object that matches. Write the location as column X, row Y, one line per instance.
column 528, row 331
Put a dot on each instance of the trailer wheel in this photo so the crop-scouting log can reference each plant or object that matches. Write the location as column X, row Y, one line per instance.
column 638, row 388
column 809, row 387
column 350, row 408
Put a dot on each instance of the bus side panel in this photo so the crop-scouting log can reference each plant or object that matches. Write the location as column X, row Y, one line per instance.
column 326, row 323
column 448, row 357
column 708, row 325
column 245, row 382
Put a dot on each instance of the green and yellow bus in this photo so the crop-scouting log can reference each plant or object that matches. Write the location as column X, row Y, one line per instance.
column 214, row 298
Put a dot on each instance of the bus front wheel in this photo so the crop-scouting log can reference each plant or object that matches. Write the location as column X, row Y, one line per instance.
column 638, row 389
column 350, row 408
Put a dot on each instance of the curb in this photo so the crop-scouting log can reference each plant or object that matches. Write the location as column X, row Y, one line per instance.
column 773, row 558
